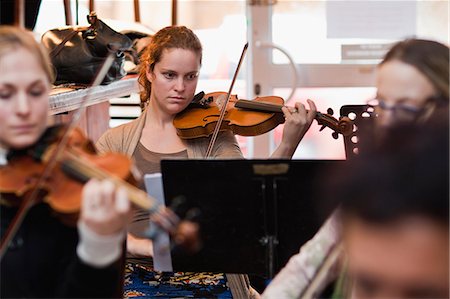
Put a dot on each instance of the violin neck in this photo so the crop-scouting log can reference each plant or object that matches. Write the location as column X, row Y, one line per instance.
column 343, row 126
column 258, row 106
column 82, row 171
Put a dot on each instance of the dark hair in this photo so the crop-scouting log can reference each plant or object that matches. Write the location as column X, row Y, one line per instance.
column 166, row 38
column 431, row 58
column 406, row 175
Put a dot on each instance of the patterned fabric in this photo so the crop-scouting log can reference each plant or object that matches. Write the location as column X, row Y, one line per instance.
column 142, row 282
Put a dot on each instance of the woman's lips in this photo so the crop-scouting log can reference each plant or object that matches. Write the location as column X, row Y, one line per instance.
column 178, row 99
column 22, row 128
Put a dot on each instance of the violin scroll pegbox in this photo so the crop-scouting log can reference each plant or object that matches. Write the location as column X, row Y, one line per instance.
column 181, row 222
column 342, row 126
column 188, row 235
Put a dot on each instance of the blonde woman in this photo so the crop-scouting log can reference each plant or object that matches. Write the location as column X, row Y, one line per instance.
column 47, row 258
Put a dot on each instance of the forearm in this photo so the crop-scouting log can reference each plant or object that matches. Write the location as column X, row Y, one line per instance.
column 284, row 151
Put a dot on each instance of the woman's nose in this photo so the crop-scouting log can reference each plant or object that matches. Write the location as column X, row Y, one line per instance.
column 22, row 104
column 179, row 85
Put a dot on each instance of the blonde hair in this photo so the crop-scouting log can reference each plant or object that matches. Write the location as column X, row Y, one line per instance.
column 167, row 38
column 13, row 38
column 428, row 57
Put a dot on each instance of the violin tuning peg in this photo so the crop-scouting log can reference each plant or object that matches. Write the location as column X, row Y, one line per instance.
column 321, row 128
column 330, row 111
column 335, row 135
column 193, row 214
column 178, row 204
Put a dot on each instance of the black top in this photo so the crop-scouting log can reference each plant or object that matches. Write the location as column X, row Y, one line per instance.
column 41, row 261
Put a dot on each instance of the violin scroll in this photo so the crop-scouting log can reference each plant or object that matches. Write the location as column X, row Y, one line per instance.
column 342, row 126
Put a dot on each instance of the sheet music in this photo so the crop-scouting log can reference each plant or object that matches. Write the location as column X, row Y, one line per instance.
column 162, row 260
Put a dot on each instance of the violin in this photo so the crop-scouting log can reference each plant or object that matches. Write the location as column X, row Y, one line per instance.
column 62, row 188
column 244, row 117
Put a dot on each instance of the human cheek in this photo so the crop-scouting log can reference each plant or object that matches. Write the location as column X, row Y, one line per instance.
column 41, row 106
column 385, row 118
column 40, row 115
column 4, row 116
column 191, row 87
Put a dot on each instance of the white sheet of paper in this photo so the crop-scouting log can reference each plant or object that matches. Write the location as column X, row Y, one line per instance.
column 162, row 260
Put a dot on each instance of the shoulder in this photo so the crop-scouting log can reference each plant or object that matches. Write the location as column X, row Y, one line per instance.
column 114, row 138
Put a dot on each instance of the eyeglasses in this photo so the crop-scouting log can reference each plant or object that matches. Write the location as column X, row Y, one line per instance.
column 397, row 109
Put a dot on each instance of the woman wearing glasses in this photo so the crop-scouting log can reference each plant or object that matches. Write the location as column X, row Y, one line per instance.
column 412, row 83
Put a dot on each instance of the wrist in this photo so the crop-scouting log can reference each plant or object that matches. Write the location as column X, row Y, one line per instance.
column 98, row 250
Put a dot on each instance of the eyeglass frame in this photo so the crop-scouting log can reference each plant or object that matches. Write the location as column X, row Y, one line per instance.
column 408, row 109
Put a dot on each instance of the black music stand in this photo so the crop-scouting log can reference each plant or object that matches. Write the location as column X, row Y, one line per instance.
column 363, row 117
column 255, row 214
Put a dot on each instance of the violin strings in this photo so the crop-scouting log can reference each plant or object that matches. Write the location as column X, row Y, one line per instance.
column 224, row 107
column 137, row 196
column 164, row 219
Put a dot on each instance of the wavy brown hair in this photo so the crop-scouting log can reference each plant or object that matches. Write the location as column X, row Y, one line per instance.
column 166, row 38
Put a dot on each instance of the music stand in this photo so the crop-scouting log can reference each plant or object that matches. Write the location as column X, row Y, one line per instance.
column 255, row 214
column 363, row 117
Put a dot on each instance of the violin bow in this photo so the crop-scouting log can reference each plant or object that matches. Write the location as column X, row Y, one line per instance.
column 224, row 106
column 29, row 200
column 320, row 276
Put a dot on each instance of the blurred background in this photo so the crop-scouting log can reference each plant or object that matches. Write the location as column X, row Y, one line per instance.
column 326, row 51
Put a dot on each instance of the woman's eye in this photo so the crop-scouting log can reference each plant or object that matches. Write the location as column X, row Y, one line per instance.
column 37, row 92
column 192, row 76
column 5, row 94
column 169, row 75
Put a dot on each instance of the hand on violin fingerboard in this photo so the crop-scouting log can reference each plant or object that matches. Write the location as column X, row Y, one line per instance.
column 297, row 123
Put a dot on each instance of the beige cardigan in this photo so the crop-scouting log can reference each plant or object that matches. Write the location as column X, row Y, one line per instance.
column 125, row 138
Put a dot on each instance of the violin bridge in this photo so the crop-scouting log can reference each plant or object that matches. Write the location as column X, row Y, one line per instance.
column 220, row 101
